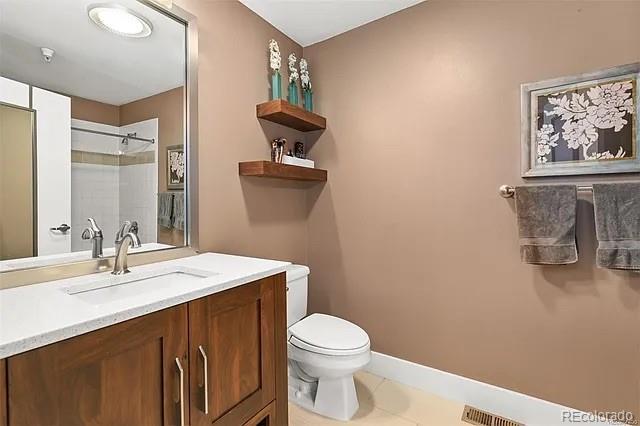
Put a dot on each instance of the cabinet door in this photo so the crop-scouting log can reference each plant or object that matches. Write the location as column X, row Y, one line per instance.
column 122, row 375
column 232, row 348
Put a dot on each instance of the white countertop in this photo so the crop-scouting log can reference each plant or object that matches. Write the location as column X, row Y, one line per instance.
column 37, row 315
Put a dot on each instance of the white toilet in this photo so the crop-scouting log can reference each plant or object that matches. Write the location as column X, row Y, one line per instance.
column 324, row 352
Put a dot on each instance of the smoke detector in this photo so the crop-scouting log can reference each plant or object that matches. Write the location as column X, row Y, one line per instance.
column 47, row 54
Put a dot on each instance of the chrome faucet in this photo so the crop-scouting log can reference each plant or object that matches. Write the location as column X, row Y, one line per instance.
column 93, row 233
column 127, row 236
column 126, row 227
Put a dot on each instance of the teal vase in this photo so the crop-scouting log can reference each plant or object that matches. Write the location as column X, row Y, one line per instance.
column 308, row 100
column 293, row 93
column 276, row 86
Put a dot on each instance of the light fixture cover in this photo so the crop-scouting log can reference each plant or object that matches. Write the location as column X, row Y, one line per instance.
column 119, row 20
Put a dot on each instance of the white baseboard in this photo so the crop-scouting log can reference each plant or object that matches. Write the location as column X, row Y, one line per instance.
column 506, row 403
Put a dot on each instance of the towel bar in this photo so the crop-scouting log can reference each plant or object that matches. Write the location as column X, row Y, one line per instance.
column 508, row 191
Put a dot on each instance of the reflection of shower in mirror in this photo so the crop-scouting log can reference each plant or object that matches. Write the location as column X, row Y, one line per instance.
column 124, row 144
column 114, row 168
column 125, row 147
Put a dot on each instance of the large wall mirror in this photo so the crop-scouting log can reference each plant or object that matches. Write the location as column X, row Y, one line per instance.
column 94, row 126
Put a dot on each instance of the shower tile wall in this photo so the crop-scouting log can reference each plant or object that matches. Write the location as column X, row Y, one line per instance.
column 110, row 193
column 94, row 187
column 138, row 189
column 139, row 183
column 94, row 193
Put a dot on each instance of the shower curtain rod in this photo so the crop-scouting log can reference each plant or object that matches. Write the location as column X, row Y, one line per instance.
column 97, row 132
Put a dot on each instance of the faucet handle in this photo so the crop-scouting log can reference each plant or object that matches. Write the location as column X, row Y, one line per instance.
column 88, row 234
column 93, row 226
column 127, row 227
column 134, row 227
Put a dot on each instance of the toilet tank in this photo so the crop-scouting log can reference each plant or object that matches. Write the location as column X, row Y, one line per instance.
column 297, row 290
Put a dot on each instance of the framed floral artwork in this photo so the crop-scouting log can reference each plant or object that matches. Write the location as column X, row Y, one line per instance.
column 584, row 124
column 175, row 167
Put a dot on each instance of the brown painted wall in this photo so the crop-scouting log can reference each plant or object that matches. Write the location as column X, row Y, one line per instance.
column 98, row 112
column 241, row 215
column 410, row 239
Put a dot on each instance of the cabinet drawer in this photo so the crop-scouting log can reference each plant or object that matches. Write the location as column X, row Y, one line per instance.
column 266, row 417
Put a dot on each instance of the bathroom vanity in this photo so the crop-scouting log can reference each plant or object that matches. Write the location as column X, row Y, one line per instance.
column 199, row 340
column 111, row 158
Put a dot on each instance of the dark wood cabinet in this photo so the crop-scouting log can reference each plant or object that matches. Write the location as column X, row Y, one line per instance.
column 127, row 374
column 3, row 392
column 219, row 360
column 232, row 337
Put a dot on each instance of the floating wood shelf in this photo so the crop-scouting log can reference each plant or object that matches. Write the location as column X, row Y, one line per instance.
column 281, row 171
column 282, row 112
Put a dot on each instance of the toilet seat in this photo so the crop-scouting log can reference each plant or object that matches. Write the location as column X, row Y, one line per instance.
column 328, row 335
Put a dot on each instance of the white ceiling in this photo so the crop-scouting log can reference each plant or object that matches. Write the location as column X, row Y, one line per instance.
column 89, row 62
column 311, row 21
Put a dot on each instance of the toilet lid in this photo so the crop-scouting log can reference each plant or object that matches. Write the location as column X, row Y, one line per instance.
column 326, row 334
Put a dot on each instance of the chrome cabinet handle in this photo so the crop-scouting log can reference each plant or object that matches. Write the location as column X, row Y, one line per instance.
column 205, row 366
column 62, row 228
column 181, row 370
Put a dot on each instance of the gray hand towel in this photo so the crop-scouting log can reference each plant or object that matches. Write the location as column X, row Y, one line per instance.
column 165, row 209
column 617, row 209
column 547, row 223
column 178, row 210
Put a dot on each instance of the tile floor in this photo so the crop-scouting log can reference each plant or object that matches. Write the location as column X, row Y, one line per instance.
column 384, row 402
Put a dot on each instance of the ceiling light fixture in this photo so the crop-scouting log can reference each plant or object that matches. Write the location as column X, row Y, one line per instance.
column 119, row 20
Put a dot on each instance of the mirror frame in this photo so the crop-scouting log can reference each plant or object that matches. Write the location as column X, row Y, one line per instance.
column 26, row 276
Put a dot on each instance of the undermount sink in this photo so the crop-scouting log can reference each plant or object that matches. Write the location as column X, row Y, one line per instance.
column 117, row 287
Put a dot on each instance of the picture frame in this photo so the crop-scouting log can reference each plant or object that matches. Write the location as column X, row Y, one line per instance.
column 176, row 167
column 584, row 124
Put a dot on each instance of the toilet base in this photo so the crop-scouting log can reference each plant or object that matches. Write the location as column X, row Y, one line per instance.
column 330, row 397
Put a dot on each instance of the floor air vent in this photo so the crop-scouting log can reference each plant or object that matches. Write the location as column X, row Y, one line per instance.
column 482, row 418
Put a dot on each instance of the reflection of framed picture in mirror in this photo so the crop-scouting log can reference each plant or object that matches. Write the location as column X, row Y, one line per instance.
column 175, row 167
